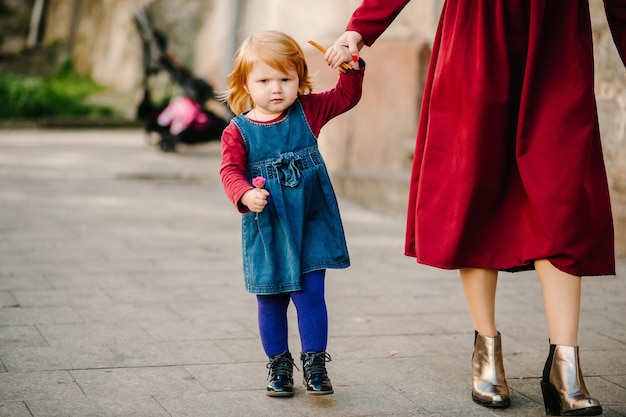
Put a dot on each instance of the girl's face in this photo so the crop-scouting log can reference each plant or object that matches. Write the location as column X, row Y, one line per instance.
column 271, row 90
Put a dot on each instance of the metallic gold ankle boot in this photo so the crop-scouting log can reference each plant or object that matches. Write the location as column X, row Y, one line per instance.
column 563, row 387
column 489, row 383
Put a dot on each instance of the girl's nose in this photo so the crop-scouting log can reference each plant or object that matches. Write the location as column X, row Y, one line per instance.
column 277, row 87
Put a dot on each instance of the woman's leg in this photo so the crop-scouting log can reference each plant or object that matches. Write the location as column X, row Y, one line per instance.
column 312, row 314
column 561, row 299
column 479, row 285
column 489, row 387
column 562, row 383
column 272, row 315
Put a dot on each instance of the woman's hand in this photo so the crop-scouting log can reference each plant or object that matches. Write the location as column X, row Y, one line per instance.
column 255, row 199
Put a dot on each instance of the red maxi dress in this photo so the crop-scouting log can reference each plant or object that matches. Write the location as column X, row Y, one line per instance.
column 508, row 164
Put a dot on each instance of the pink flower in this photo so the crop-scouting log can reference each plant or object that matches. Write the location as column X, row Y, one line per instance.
column 258, row 182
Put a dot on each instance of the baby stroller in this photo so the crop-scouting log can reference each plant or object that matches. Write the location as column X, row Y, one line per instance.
column 183, row 119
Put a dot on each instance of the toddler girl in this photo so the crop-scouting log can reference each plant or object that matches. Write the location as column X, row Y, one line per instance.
column 291, row 228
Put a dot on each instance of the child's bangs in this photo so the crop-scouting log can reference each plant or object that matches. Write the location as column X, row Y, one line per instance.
column 281, row 59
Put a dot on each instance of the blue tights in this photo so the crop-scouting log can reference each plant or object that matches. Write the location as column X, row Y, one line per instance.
column 312, row 316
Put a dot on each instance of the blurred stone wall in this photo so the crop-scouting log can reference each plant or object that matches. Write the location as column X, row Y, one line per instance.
column 14, row 24
column 610, row 78
column 104, row 41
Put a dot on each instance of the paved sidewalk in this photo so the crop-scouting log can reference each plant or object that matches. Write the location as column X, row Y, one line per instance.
column 121, row 295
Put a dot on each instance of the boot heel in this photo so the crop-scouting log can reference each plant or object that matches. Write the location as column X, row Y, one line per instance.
column 550, row 400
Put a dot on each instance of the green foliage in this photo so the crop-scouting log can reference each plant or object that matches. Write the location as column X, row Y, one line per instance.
column 61, row 94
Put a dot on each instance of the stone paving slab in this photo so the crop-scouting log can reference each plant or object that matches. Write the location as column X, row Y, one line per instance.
column 121, row 295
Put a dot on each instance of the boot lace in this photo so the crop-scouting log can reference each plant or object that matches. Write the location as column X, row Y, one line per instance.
column 280, row 365
column 315, row 364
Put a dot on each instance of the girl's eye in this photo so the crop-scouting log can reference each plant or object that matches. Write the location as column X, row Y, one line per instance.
column 285, row 80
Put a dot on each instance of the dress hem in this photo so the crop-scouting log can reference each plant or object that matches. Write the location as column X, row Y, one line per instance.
column 515, row 268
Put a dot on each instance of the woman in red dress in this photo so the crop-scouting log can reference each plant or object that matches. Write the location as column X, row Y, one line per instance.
column 508, row 171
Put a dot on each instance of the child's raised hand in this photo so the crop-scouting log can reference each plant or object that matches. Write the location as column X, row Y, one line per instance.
column 337, row 55
column 255, row 199
column 353, row 40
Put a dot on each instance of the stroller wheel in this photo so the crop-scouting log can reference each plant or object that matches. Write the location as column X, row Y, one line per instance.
column 152, row 138
column 168, row 143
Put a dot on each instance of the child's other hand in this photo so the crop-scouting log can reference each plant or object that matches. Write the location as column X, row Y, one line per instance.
column 337, row 55
column 255, row 199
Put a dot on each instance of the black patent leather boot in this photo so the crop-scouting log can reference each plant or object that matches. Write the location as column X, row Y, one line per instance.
column 489, row 386
column 563, row 388
column 280, row 375
column 315, row 377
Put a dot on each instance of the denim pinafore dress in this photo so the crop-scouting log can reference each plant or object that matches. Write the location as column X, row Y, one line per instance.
column 300, row 228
